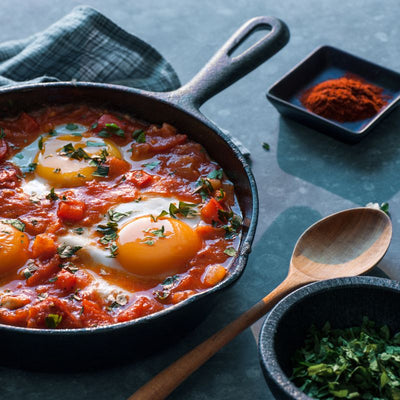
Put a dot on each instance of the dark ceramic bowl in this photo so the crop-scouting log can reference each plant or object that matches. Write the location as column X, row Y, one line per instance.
column 343, row 302
column 325, row 63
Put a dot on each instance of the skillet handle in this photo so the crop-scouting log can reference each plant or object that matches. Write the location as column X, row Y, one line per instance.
column 223, row 69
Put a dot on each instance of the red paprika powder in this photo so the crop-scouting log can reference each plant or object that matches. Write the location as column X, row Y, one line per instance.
column 344, row 99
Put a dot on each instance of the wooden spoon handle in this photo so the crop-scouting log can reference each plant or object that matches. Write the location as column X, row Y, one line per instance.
column 171, row 377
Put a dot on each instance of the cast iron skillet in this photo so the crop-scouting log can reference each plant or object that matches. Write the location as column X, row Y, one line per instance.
column 41, row 347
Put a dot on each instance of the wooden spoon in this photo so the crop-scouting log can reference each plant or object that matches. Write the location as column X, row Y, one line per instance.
column 348, row 243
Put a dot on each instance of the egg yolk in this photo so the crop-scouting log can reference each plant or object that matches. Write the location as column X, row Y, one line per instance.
column 156, row 248
column 14, row 250
column 63, row 164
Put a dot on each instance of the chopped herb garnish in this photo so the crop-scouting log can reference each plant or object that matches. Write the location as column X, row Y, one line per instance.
column 71, row 127
column 95, row 144
column 265, row 146
column 204, row 188
column 29, row 168
column 52, row 132
column 29, row 270
column 52, row 280
column 78, row 231
column 16, row 223
column 57, row 170
column 66, row 251
column 113, row 250
column 53, row 320
column 149, row 242
column 19, row 156
column 139, row 135
column 116, row 216
column 151, row 165
column 77, row 154
column 52, row 195
column 230, row 251
column 158, row 232
column 77, row 134
column 108, row 231
column 94, row 126
column 69, row 266
column 360, row 362
column 40, row 143
column 384, row 207
column 185, row 209
column 2, row 134
column 169, row 283
column 113, row 129
column 102, row 171
column 216, row 174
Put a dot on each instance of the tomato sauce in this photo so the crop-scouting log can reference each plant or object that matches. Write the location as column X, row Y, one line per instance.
column 59, row 285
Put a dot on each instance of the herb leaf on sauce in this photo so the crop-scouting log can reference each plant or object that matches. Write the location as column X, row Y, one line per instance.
column 53, row 320
column 66, row 251
column 139, row 135
column 151, row 165
column 16, row 223
column 216, row 174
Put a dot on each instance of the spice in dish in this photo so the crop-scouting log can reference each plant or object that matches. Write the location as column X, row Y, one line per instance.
column 105, row 218
column 344, row 99
column 354, row 363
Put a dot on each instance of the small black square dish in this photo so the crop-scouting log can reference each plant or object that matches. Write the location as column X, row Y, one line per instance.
column 327, row 63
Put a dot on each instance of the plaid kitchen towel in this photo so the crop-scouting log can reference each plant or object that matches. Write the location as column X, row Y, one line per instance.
column 87, row 46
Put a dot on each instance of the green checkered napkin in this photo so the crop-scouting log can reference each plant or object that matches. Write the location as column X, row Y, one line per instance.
column 85, row 46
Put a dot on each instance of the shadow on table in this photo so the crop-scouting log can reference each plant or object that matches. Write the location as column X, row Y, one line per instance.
column 362, row 172
column 233, row 373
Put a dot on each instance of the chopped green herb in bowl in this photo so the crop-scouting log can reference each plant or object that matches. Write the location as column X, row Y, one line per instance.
column 352, row 363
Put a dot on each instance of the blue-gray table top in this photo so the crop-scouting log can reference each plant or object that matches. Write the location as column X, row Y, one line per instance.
column 304, row 176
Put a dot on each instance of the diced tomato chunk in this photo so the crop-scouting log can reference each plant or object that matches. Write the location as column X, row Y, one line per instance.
column 27, row 123
column 142, row 306
column 93, row 315
column 66, row 281
column 106, row 119
column 44, row 272
column 139, row 178
column 10, row 176
column 43, row 247
column 209, row 212
column 3, row 149
column 117, row 167
column 49, row 308
column 71, row 210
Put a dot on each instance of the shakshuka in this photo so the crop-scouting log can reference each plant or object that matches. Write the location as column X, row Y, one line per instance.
column 105, row 218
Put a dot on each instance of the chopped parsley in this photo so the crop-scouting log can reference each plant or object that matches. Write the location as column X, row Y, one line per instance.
column 384, row 207
column 113, row 250
column 266, row 146
column 71, row 127
column 2, row 134
column 52, row 132
column 29, row 168
column 111, row 129
column 204, row 188
column 230, row 251
column 52, row 195
column 16, row 223
column 53, row 320
column 40, row 143
column 151, row 165
column 78, row 154
column 360, row 362
column 29, row 270
column 78, row 231
column 89, row 143
column 216, row 174
column 108, row 231
column 168, row 284
column 101, row 171
column 57, row 171
column 139, row 135
column 232, row 223
column 67, row 251
column 187, row 210
column 116, row 216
